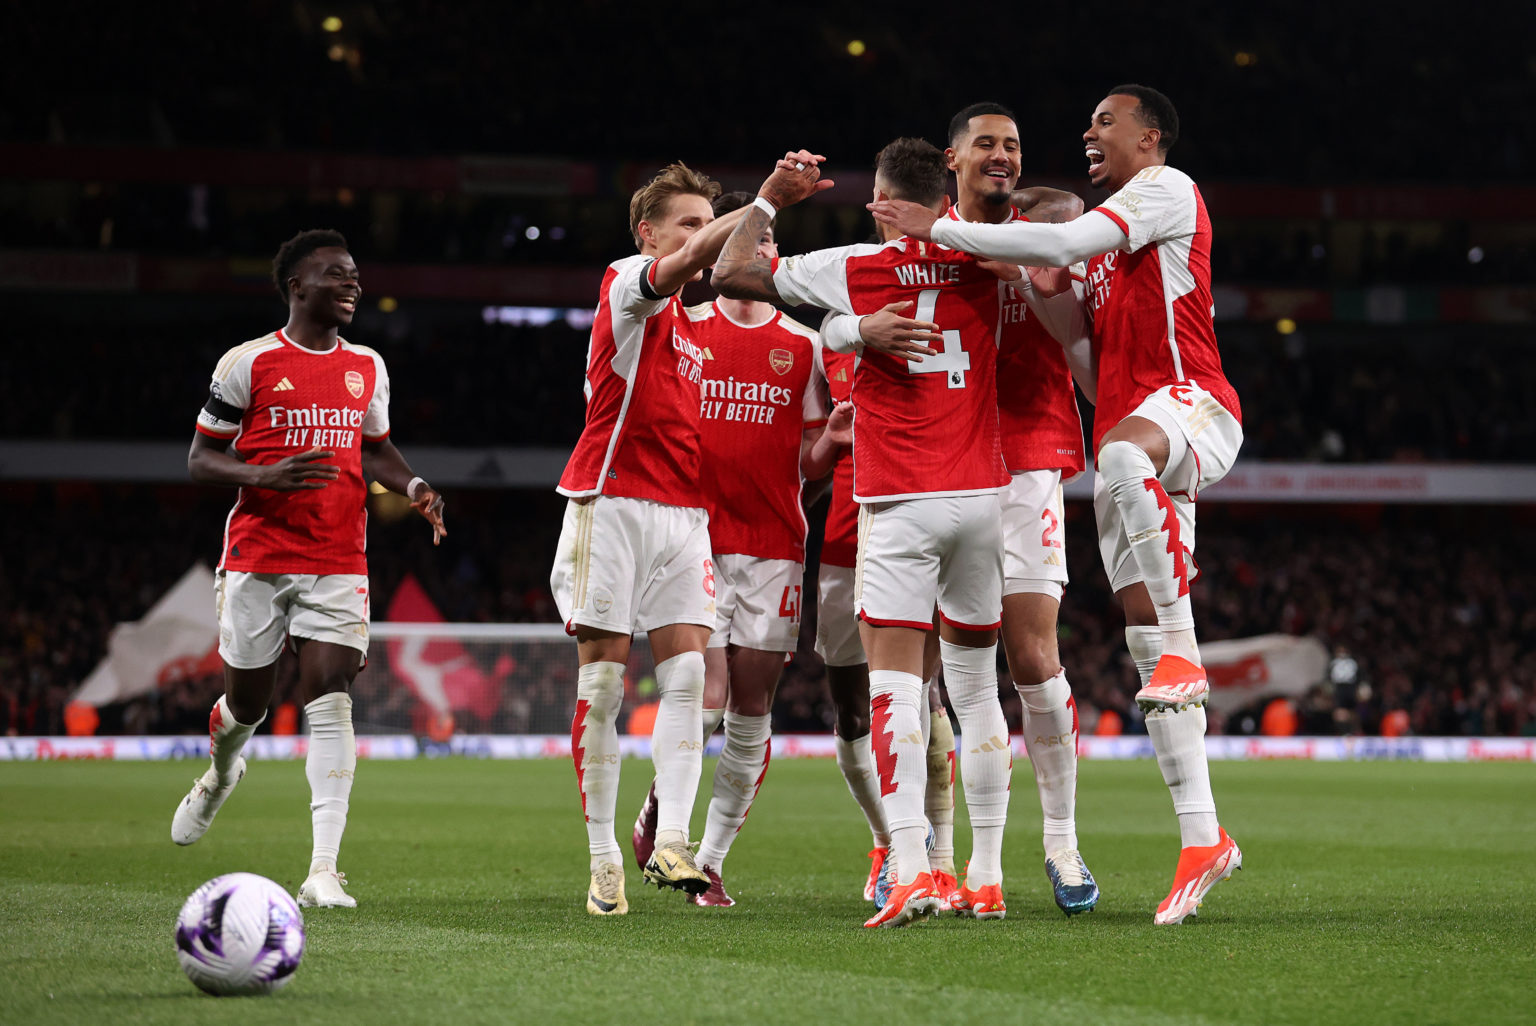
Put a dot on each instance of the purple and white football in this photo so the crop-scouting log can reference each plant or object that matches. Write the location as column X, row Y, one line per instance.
column 240, row 934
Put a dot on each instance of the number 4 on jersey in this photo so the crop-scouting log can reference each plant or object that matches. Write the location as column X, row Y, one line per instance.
column 789, row 605
column 952, row 361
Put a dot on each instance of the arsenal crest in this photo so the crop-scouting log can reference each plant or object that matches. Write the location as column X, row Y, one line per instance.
column 354, row 382
column 781, row 360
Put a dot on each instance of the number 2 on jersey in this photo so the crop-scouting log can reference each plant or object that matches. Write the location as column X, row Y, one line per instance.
column 952, row 361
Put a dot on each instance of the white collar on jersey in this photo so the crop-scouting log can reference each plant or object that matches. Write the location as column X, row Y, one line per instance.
column 760, row 324
column 305, row 349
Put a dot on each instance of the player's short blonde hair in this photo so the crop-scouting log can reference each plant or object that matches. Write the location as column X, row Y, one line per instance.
column 650, row 201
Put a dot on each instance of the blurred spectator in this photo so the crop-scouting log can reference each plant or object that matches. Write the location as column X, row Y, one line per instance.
column 1430, row 611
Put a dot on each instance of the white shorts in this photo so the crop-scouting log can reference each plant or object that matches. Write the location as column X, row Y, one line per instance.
column 627, row 565
column 757, row 602
column 914, row 553
column 257, row 612
column 1034, row 556
column 1203, row 440
column 837, row 619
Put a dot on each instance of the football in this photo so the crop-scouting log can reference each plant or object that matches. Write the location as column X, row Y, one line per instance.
column 240, row 934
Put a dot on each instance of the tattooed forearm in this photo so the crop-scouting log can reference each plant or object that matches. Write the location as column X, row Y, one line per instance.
column 740, row 273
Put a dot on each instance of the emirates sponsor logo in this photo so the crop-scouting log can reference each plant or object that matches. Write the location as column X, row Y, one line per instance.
column 732, row 390
column 329, row 426
column 781, row 360
column 354, row 381
column 314, row 416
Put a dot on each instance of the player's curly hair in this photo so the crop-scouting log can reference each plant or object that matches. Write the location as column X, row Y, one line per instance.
column 650, row 200
column 1154, row 110
column 961, row 121
column 296, row 249
column 913, row 169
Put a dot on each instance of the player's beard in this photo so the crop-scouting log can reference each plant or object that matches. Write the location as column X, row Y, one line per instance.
column 998, row 199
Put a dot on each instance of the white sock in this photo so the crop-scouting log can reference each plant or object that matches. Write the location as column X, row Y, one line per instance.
column 712, row 718
column 1179, row 740
column 939, row 796
column 595, row 751
column 1146, row 647
column 677, row 750
column 925, row 713
column 1050, row 735
column 986, row 762
column 901, row 764
column 738, row 776
column 857, row 763
column 226, row 739
column 330, row 766
column 1152, row 528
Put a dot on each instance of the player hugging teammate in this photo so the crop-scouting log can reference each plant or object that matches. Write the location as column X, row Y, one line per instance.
column 965, row 428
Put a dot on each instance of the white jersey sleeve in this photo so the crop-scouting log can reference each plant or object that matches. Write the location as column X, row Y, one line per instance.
column 1077, row 344
column 1156, row 205
column 633, row 292
column 816, row 404
column 1024, row 242
column 840, row 333
column 229, row 393
column 376, row 419
column 819, row 278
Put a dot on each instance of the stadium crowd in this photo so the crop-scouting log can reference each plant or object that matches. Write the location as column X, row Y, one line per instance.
column 1373, row 583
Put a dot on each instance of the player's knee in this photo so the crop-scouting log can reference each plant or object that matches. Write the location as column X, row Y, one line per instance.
column 1124, row 463
column 752, row 705
column 1038, row 663
column 328, row 681
column 851, row 723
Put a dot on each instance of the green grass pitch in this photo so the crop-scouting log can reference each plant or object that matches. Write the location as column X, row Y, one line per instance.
column 1372, row 893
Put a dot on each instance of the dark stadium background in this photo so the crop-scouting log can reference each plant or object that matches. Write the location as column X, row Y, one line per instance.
column 1368, row 172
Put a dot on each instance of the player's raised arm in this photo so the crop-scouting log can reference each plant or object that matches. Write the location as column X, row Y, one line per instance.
column 1049, row 245
column 740, row 273
column 675, row 270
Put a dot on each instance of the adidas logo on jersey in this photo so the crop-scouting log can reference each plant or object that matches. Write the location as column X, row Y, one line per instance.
column 283, row 386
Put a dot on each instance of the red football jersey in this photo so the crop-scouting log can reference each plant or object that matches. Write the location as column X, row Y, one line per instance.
column 922, row 429
column 1150, row 302
column 840, row 540
column 761, row 390
column 1036, row 401
column 272, row 399
column 641, row 438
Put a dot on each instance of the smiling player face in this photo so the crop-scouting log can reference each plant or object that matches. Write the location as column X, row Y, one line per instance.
column 986, row 159
column 327, row 286
column 1115, row 140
